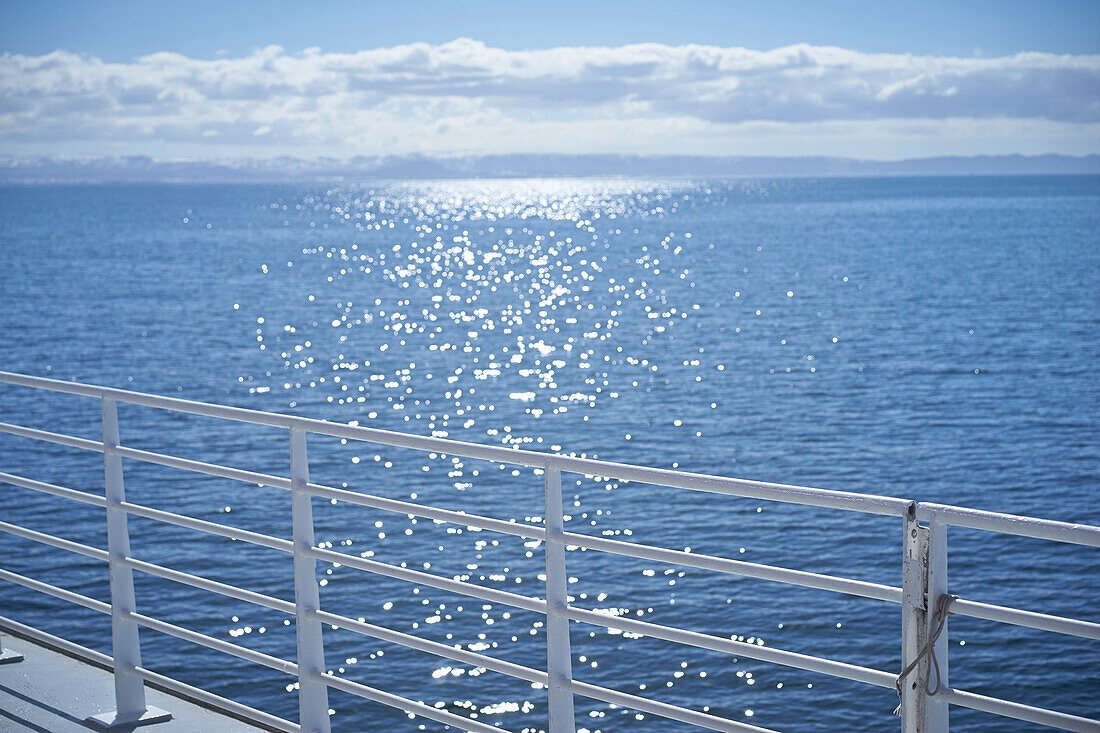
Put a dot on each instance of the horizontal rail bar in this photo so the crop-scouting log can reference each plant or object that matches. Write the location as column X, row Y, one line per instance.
column 49, row 539
column 250, row 655
column 737, row 567
column 217, row 702
column 427, row 646
column 64, row 646
column 1043, row 529
column 270, row 419
column 824, row 498
column 530, row 674
column 210, row 469
column 690, row 638
column 432, row 581
column 223, row 530
column 56, row 592
column 829, row 667
column 707, row 562
column 407, row 705
column 1032, row 619
column 802, row 578
column 867, row 503
column 517, row 529
column 1019, row 711
column 195, row 581
column 59, row 438
column 27, row 483
column 664, row 710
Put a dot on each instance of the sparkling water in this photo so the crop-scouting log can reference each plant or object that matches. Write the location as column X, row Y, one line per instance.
column 929, row 338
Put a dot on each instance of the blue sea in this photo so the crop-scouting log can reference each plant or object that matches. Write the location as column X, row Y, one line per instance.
column 936, row 339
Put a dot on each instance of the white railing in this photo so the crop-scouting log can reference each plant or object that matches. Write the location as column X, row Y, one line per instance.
column 924, row 586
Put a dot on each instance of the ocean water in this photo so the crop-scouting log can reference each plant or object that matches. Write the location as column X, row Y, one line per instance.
column 929, row 338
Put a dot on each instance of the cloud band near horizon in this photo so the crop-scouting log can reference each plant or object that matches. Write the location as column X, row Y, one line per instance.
column 464, row 96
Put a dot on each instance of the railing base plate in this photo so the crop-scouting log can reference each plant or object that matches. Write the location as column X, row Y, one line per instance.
column 7, row 656
column 111, row 721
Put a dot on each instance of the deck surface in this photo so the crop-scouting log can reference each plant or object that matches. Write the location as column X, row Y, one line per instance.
column 53, row 692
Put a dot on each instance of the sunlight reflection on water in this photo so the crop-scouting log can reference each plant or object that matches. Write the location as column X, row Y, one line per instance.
column 808, row 332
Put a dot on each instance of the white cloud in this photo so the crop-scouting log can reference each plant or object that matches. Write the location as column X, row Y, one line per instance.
column 466, row 96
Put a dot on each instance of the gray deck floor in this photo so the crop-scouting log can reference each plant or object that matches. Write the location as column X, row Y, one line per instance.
column 54, row 693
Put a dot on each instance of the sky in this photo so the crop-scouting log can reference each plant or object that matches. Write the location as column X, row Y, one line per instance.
column 876, row 80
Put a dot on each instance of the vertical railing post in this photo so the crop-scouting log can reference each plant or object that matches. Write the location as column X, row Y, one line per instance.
column 558, row 658
column 312, row 689
column 130, row 707
column 913, row 623
column 937, row 707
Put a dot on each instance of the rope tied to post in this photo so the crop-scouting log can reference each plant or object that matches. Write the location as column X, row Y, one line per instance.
column 939, row 618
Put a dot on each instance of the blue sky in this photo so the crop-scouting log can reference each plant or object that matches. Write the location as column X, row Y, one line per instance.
column 863, row 79
column 121, row 31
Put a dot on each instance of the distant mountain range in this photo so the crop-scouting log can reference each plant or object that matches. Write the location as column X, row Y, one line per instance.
column 142, row 169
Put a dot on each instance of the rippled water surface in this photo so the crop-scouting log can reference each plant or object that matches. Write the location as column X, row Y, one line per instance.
column 934, row 339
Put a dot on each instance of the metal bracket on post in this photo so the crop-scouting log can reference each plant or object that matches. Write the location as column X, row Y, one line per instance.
column 312, row 690
column 936, row 707
column 559, row 663
column 924, row 580
column 130, row 708
column 8, row 656
column 913, row 623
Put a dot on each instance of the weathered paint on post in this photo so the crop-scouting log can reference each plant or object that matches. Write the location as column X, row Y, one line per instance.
column 937, row 707
column 913, row 623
